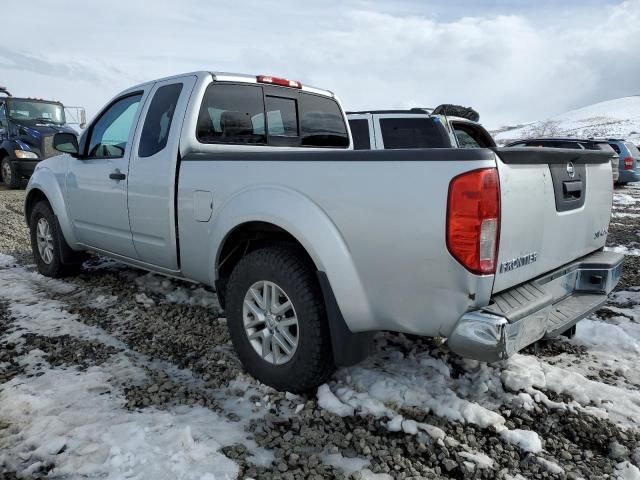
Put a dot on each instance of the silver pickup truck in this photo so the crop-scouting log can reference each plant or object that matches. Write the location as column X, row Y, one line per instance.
column 250, row 185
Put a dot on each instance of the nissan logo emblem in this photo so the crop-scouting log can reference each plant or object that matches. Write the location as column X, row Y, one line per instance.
column 571, row 171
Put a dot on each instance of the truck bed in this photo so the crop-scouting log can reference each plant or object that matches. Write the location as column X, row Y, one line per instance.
column 374, row 222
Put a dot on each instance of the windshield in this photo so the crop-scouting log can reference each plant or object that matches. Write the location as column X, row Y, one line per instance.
column 36, row 111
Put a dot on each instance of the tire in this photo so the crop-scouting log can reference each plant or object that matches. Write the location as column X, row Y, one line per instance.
column 49, row 260
column 311, row 362
column 10, row 177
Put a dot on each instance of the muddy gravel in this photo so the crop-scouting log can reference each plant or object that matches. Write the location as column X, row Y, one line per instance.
column 164, row 337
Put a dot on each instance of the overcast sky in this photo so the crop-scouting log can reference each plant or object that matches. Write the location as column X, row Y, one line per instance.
column 513, row 60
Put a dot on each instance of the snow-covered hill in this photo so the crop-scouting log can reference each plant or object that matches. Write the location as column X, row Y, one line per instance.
column 613, row 118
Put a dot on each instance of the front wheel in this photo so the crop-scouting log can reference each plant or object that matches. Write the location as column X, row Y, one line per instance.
column 277, row 320
column 48, row 243
column 9, row 174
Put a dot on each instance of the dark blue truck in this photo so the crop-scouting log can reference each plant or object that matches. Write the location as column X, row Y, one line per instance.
column 27, row 127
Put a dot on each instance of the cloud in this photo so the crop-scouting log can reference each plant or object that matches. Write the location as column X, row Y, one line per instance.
column 511, row 62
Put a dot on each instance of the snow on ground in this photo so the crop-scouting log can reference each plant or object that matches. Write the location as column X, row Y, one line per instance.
column 410, row 396
column 623, row 249
column 75, row 419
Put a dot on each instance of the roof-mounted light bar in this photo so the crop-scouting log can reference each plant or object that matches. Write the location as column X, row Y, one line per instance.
column 282, row 82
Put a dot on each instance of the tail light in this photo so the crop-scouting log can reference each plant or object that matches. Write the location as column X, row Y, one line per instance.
column 473, row 220
column 283, row 82
column 628, row 163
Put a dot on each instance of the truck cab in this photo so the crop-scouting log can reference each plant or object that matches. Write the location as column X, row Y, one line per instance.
column 27, row 127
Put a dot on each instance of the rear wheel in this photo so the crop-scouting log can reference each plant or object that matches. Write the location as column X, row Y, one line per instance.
column 277, row 320
column 48, row 244
column 9, row 174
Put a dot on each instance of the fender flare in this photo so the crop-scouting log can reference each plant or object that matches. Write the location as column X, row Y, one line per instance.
column 298, row 215
column 44, row 180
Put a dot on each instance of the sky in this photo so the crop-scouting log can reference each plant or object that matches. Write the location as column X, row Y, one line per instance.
column 513, row 61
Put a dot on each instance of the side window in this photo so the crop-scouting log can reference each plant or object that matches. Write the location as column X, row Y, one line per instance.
column 157, row 124
column 232, row 114
column 419, row 132
column 360, row 133
column 3, row 116
column 109, row 135
column 322, row 123
column 282, row 116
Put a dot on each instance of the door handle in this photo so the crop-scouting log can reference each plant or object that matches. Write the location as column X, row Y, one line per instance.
column 117, row 175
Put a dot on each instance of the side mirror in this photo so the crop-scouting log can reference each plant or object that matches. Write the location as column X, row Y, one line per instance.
column 66, row 143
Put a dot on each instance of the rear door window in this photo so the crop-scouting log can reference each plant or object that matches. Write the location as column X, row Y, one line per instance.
column 419, row 132
column 360, row 133
column 232, row 114
column 157, row 124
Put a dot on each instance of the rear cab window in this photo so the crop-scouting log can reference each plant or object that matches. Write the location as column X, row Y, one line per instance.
column 244, row 114
column 413, row 132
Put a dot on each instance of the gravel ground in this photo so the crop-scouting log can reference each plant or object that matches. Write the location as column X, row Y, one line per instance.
column 164, row 336
column 14, row 236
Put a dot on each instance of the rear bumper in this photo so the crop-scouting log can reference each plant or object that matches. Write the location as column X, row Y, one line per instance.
column 628, row 176
column 544, row 307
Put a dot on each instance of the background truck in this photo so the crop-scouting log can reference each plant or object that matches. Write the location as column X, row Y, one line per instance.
column 249, row 185
column 446, row 126
column 27, row 126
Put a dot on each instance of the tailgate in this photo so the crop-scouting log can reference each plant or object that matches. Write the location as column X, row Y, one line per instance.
column 555, row 208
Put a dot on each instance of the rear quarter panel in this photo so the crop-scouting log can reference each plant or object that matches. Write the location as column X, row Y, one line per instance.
column 376, row 228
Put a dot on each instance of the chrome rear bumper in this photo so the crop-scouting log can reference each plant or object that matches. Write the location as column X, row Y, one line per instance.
column 544, row 307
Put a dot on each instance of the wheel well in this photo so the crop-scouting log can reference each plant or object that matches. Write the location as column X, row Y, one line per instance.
column 246, row 238
column 33, row 198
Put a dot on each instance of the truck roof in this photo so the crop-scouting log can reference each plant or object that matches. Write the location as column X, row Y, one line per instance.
column 414, row 111
column 29, row 99
column 235, row 77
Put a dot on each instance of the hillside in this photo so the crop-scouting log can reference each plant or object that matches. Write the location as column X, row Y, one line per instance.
column 619, row 117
